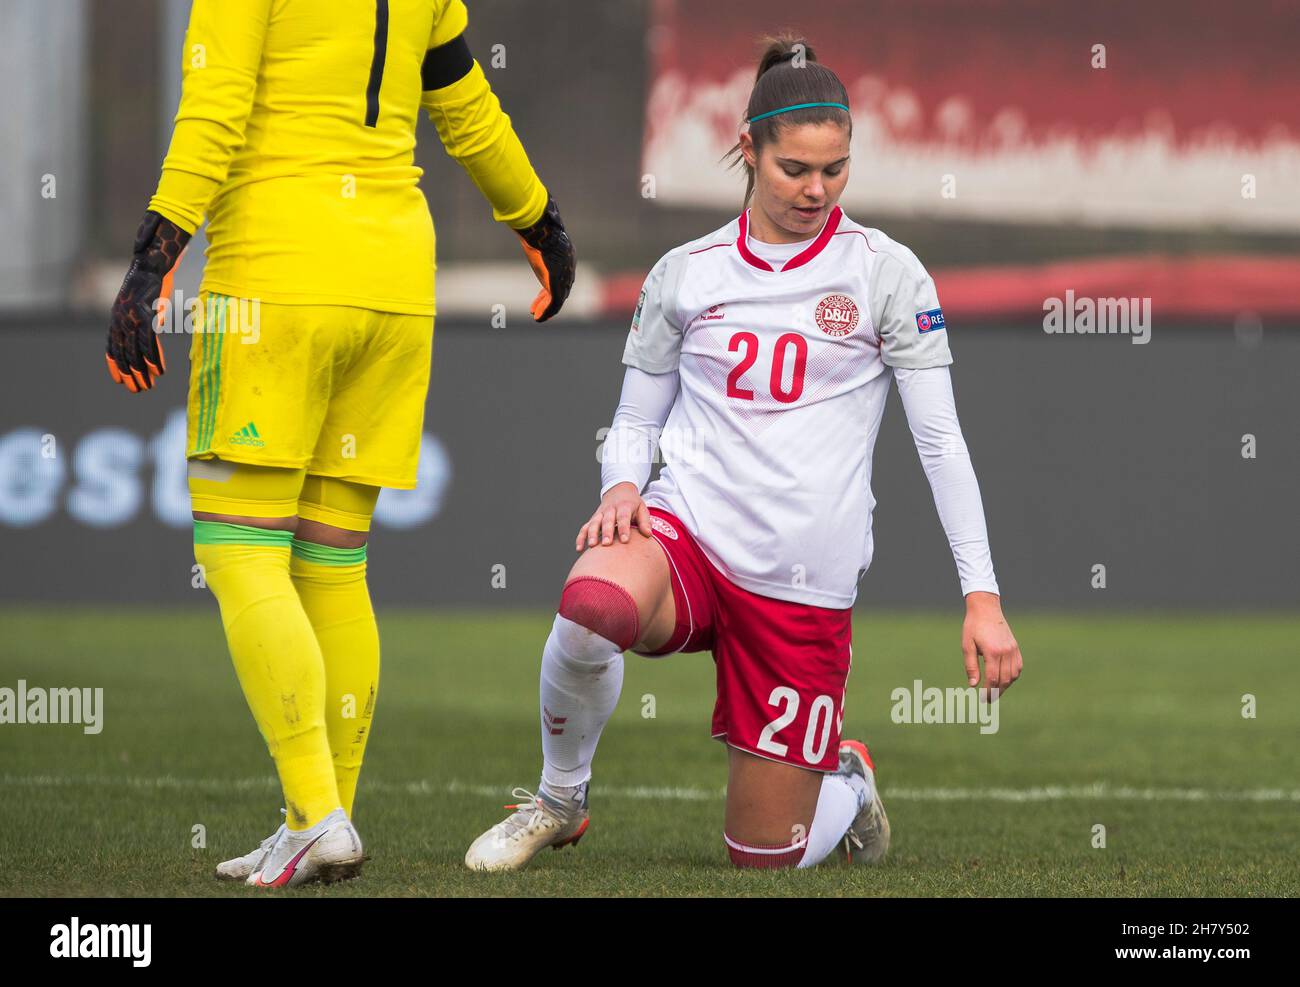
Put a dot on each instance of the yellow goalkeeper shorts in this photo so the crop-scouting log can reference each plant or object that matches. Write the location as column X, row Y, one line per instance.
column 337, row 390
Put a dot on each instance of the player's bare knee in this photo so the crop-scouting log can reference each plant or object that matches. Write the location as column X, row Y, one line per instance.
column 658, row 625
column 335, row 513
column 319, row 533
column 268, row 523
column 603, row 607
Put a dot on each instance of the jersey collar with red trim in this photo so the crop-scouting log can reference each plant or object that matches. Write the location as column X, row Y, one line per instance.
column 799, row 259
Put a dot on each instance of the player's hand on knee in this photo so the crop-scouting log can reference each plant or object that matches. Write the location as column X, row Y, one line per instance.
column 630, row 515
column 590, row 533
column 621, row 511
column 641, row 518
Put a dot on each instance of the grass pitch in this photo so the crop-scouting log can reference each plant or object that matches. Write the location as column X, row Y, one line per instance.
column 1130, row 723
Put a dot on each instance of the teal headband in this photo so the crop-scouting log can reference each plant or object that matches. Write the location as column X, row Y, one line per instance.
column 797, row 106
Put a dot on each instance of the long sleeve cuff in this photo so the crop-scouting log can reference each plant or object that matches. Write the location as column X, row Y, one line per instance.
column 183, row 197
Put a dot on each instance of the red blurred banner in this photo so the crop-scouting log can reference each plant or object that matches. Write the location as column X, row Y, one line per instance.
column 1167, row 113
column 1226, row 289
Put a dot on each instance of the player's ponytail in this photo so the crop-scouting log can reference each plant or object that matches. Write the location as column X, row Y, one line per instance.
column 788, row 75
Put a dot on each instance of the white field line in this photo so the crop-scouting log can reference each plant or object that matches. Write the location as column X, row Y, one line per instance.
column 1099, row 791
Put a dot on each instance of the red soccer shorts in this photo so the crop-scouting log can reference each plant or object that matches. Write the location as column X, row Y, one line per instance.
column 781, row 666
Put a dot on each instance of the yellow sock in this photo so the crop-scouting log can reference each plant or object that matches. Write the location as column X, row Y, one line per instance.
column 276, row 657
column 331, row 583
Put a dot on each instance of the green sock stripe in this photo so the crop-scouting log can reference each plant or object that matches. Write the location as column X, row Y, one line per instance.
column 223, row 533
column 328, row 555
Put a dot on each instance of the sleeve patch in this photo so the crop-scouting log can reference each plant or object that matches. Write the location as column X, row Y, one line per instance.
column 636, row 316
column 931, row 321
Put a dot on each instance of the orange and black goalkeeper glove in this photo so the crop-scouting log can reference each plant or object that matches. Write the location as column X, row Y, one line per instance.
column 550, row 253
column 135, row 354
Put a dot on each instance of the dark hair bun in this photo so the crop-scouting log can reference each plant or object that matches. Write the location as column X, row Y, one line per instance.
column 783, row 47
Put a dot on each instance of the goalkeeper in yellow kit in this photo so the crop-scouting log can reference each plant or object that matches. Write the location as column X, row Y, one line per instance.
column 309, row 359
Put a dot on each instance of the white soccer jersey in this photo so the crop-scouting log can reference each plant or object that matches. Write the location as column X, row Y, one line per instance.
column 784, row 372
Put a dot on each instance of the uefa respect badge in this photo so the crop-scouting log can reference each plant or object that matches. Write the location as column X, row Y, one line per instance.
column 930, row 321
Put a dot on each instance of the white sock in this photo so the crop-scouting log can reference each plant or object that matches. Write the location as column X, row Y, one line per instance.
column 582, row 675
column 841, row 798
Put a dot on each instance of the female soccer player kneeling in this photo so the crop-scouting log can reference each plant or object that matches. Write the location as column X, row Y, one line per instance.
column 761, row 355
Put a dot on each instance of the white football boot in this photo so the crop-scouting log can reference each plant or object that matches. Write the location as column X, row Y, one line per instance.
column 238, row 868
column 329, row 851
column 867, row 840
column 536, row 823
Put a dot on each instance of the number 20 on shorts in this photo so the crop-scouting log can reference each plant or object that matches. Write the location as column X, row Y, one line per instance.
column 817, row 734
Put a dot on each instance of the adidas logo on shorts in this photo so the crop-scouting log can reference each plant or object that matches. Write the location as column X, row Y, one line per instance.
column 247, row 436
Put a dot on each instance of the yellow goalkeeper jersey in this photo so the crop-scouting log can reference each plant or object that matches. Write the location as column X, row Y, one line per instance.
column 296, row 137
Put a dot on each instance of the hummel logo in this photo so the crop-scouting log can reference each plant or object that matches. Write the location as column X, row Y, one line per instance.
column 714, row 312
column 555, row 724
column 247, row 436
